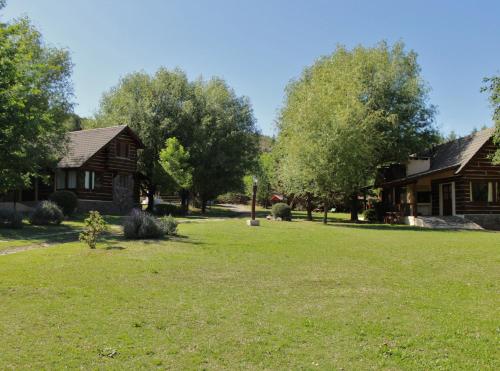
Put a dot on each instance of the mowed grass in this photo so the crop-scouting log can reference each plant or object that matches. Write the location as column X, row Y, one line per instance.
column 296, row 295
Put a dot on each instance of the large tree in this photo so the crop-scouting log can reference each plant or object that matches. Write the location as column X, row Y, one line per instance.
column 35, row 93
column 208, row 120
column 493, row 87
column 351, row 112
column 156, row 107
column 225, row 142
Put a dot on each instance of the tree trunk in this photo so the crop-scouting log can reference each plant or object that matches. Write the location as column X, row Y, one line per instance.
column 309, row 206
column 151, row 198
column 325, row 212
column 354, row 207
column 203, row 206
column 184, row 194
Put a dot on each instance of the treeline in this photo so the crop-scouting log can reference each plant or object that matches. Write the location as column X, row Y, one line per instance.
column 205, row 134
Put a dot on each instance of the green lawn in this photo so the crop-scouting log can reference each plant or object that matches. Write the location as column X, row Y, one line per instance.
column 296, row 295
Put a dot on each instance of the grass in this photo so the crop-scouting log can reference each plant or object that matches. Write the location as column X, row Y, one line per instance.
column 296, row 295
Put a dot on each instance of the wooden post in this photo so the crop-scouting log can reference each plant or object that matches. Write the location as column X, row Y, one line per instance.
column 414, row 199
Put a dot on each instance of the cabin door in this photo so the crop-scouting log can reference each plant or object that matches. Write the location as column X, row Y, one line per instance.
column 447, row 200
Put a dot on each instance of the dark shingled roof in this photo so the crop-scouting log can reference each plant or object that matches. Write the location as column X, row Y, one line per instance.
column 457, row 153
column 454, row 154
column 84, row 144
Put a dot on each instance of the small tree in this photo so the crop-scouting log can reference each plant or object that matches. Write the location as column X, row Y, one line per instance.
column 94, row 226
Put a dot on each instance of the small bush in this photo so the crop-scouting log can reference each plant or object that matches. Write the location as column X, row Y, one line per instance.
column 169, row 225
column 168, row 209
column 141, row 225
column 282, row 210
column 370, row 215
column 11, row 219
column 66, row 200
column 94, row 226
column 47, row 212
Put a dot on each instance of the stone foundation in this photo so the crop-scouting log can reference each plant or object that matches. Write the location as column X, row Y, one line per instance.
column 487, row 221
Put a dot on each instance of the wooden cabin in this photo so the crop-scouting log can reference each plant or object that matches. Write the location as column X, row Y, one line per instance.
column 100, row 167
column 456, row 178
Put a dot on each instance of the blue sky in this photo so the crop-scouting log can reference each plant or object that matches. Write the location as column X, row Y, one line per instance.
column 258, row 46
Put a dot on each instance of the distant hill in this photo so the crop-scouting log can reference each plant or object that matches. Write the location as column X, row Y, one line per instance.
column 266, row 143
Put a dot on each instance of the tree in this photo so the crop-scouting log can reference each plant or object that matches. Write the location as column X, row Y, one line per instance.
column 156, row 107
column 211, row 123
column 225, row 147
column 174, row 159
column 493, row 87
column 351, row 112
column 263, row 173
column 35, row 92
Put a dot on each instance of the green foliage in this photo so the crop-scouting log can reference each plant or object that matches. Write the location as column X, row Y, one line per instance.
column 264, row 172
column 169, row 225
column 349, row 113
column 493, row 87
column 10, row 219
column 215, row 136
column 174, row 159
column 66, row 200
column 168, row 209
column 34, row 99
column 282, row 210
column 47, row 212
column 370, row 215
column 142, row 225
column 233, row 198
column 228, row 142
column 95, row 225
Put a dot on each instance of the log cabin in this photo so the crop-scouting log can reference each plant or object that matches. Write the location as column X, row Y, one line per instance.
column 457, row 178
column 100, row 167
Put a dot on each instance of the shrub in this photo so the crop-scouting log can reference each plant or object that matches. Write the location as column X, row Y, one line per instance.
column 370, row 215
column 66, row 200
column 47, row 212
column 282, row 210
column 94, row 226
column 142, row 225
column 168, row 209
column 11, row 219
column 169, row 225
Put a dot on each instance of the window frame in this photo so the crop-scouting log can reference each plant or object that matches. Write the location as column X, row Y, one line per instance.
column 487, row 189
column 60, row 174
column 89, row 180
column 69, row 175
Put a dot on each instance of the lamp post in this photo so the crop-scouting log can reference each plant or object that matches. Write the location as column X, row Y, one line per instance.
column 253, row 222
column 254, row 196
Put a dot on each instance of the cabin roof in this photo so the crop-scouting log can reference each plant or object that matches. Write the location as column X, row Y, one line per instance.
column 454, row 154
column 458, row 152
column 83, row 144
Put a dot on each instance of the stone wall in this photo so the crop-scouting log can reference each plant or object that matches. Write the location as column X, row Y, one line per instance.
column 104, row 207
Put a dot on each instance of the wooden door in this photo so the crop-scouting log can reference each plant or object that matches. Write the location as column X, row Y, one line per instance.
column 447, row 200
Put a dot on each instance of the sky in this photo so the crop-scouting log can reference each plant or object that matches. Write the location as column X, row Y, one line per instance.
column 258, row 46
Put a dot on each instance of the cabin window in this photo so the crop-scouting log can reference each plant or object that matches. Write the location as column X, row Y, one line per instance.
column 89, row 180
column 122, row 149
column 60, row 179
column 479, row 191
column 72, row 179
column 424, row 197
column 123, row 181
